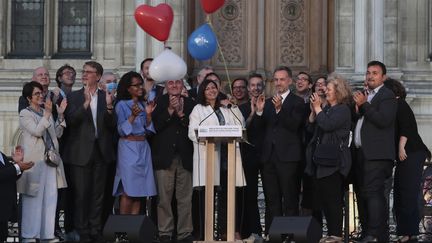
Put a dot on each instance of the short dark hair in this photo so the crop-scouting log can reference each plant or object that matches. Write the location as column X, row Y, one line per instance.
column 239, row 79
column 308, row 76
column 59, row 73
column 125, row 83
column 95, row 65
column 255, row 75
column 28, row 88
column 397, row 87
column 378, row 63
column 144, row 61
column 201, row 93
column 283, row 68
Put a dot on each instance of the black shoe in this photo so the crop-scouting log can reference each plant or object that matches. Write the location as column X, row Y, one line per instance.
column 187, row 239
column 165, row 239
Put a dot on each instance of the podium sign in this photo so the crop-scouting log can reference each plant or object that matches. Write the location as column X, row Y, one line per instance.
column 227, row 131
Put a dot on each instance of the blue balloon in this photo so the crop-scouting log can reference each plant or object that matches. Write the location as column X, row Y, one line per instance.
column 202, row 43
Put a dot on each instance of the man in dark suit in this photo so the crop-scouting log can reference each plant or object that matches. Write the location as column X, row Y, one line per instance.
column 89, row 150
column 9, row 173
column 374, row 140
column 251, row 155
column 172, row 153
column 282, row 117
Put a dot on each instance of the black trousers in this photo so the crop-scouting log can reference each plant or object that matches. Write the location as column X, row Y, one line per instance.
column 371, row 197
column 280, row 182
column 3, row 231
column 330, row 193
column 88, row 185
column 407, row 193
column 247, row 198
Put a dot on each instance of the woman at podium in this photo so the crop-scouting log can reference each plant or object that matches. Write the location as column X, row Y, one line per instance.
column 211, row 110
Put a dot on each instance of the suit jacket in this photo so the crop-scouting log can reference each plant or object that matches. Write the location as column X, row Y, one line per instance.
column 378, row 131
column 283, row 129
column 171, row 135
column 8, row 177
column 81, row 140
column 34, row 129
column 251, row 153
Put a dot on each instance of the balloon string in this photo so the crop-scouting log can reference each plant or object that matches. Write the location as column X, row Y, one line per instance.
column 222, row 55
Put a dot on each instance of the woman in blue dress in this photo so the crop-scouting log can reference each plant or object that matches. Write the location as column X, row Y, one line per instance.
column 134, row 175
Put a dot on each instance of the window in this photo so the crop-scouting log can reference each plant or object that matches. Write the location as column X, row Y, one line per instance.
column 74, row 27
column 35, row 31
column 27, row 28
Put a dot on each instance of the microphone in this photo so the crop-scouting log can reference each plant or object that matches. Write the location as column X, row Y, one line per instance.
column 207, row 117
column 229, row 106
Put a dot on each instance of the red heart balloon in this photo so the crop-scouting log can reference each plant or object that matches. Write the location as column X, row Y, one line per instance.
column 156, row 21
column 210, row 6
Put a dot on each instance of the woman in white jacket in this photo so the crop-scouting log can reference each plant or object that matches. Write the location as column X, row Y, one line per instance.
column 38, row 186
column 210, row 111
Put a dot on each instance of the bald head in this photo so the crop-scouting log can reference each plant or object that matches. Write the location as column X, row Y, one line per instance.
column 41, row 75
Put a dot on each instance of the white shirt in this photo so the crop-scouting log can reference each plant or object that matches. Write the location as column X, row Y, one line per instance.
column 357, row 132
column 93, row 107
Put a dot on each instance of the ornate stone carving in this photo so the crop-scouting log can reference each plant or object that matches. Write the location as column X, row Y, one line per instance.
column 292, row 32
column 230, row 29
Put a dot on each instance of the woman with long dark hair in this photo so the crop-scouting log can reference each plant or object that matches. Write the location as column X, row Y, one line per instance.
column 210, row 111
column 412, row 153
column 134, row 176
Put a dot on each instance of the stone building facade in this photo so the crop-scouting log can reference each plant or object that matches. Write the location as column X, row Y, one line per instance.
column 317, row 36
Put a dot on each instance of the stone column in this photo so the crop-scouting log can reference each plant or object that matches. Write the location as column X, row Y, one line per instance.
column 140, row 48
column 377, row 34
column 360, row 36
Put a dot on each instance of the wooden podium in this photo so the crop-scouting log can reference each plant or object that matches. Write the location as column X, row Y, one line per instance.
column 211, row 135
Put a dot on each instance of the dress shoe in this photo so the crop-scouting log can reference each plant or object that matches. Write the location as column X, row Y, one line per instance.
column 165, row 239
column 187, row 239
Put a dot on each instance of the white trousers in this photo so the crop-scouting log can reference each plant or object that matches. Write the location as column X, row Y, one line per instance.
column 38, row 213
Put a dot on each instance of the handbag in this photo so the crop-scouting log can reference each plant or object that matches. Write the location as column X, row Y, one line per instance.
column 51, row 156
column 327, row 154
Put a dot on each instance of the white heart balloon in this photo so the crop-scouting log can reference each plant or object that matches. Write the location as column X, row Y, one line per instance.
column 167, row 66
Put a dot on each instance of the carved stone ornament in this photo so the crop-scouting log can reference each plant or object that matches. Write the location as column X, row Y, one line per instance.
column 292, row 32
column 231, row 32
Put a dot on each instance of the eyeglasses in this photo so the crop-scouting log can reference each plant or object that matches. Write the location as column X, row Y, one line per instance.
column 140, row 85
column 302, row 79
column 37, row 94
column 87, row 72
column 69, row 73
column 239, row 87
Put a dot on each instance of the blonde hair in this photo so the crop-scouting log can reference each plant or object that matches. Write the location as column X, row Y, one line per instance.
column 342, row 88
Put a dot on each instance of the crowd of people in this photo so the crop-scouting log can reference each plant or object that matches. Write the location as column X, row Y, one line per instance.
column 135, row 140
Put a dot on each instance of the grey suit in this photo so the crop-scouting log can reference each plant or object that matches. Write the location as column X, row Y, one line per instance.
column 88, row 157
column 375, row 161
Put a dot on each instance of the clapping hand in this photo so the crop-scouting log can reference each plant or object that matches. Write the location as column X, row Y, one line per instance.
column 62, row 107
column 316, row 102
column 18, row 157
column 136, row 109
column 277, row 102
column 260, row 103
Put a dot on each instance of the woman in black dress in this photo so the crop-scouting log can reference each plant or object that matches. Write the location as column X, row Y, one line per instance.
column 412, row 153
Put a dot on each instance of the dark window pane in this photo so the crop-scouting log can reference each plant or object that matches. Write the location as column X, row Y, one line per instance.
column 27, row 28
column 74, row 27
